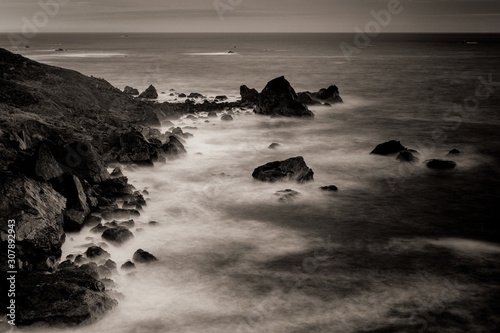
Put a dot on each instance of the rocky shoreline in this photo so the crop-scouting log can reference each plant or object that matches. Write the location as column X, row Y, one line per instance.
column 59, row 132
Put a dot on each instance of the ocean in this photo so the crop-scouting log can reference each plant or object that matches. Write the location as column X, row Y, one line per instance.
column 399, row 248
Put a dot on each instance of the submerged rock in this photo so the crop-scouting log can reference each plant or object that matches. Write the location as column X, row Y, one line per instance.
column 173, row 147
column 149, row 93
column 287, row 195
column 291, row 169
column 118, row 235
column 278, row 98
column 441, row 164
column 129, row 265
column 142, row 256
column 387, row 148
column 454, row 152
column 226, row 117
column 274, row 146
column 406, row 156
column 329, row 188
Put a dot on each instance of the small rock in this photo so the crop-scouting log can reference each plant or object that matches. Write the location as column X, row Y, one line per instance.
column 117, row 172
column 129, row 265
column 117, row 235
column 441, row 164
column 142, row 256
column 406, row 156
column 454, row 152
column 387, row 148
column 153, row 223
column 274, row 146
column 95, row 252
column 287, row 195
column 226, row 117
column 99, row 228
column 329, row 188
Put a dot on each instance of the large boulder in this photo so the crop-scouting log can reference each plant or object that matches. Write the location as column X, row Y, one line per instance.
column 44, row 164
column 66, row 298
column 279, row 99
column 248, row 95
column 81, row 160
column 136, row 149
column 149, row 93
column 291, row 169
column 389, row 147
column 77, row 207
column 38, row 212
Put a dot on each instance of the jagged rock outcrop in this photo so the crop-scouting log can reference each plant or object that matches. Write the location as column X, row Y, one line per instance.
column 279, row 99
column 149, row 93
column 130, row 91
column 38, row 212
column 250, row 96
column 292, row 169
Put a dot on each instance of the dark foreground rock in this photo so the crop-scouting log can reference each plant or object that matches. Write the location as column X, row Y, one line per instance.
column 66, row 298
column 441, row 164
column 38, row 212
column 387, row 148
column 291, row 169
column 144, row 257
column 279, row 99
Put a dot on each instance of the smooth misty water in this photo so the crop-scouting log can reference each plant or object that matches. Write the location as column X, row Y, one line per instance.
column 399, row 247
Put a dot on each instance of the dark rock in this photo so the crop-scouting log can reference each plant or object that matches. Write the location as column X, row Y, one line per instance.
column 81, row 160
column 92, row 220
column 406, row 156
column 441, row 164
column 221, row 97
column 110, row 264
column 173, row 147
column 142, row 256
column 274, row 146
column 117, row 235
column 287, row 195
column 67, row 264
column 134, row 148
column 91, row 269
column 96, row 252
column 112, row 224
column 117, row 172
column 104, row 272
column 77, row 207
column 329, row 188
column 195, row 95
column 120, row 214
column 45, row 165
column 292, row 169
column 331, row 94
column 306, row 98
column 68, row 297
column 130, row 91
column 182, row 95
column 149, row 93
column 279, row 99
column 454, row 152
column 212, row 114
column 145, row 192
column 226, row 117
column 80, row 259
column 127, row 224
column 38, row 212
column 248, row 95
column 129, row 265
column 153, row 223
column 387, row 148
column 108, row 283
column 99, row 228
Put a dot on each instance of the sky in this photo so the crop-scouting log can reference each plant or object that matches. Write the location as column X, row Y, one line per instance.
column 249, row 15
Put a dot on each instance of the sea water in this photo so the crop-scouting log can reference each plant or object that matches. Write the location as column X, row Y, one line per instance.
column 398, row 248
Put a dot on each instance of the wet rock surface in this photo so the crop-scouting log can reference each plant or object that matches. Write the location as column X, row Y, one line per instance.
column 294, row 169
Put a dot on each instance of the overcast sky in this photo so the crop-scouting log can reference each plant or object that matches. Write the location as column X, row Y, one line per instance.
column 250, row 15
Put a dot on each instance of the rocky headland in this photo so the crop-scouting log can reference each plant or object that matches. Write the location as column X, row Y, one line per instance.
column 60, row 131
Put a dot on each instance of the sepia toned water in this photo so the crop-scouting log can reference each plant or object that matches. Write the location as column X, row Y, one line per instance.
column 397, row 249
